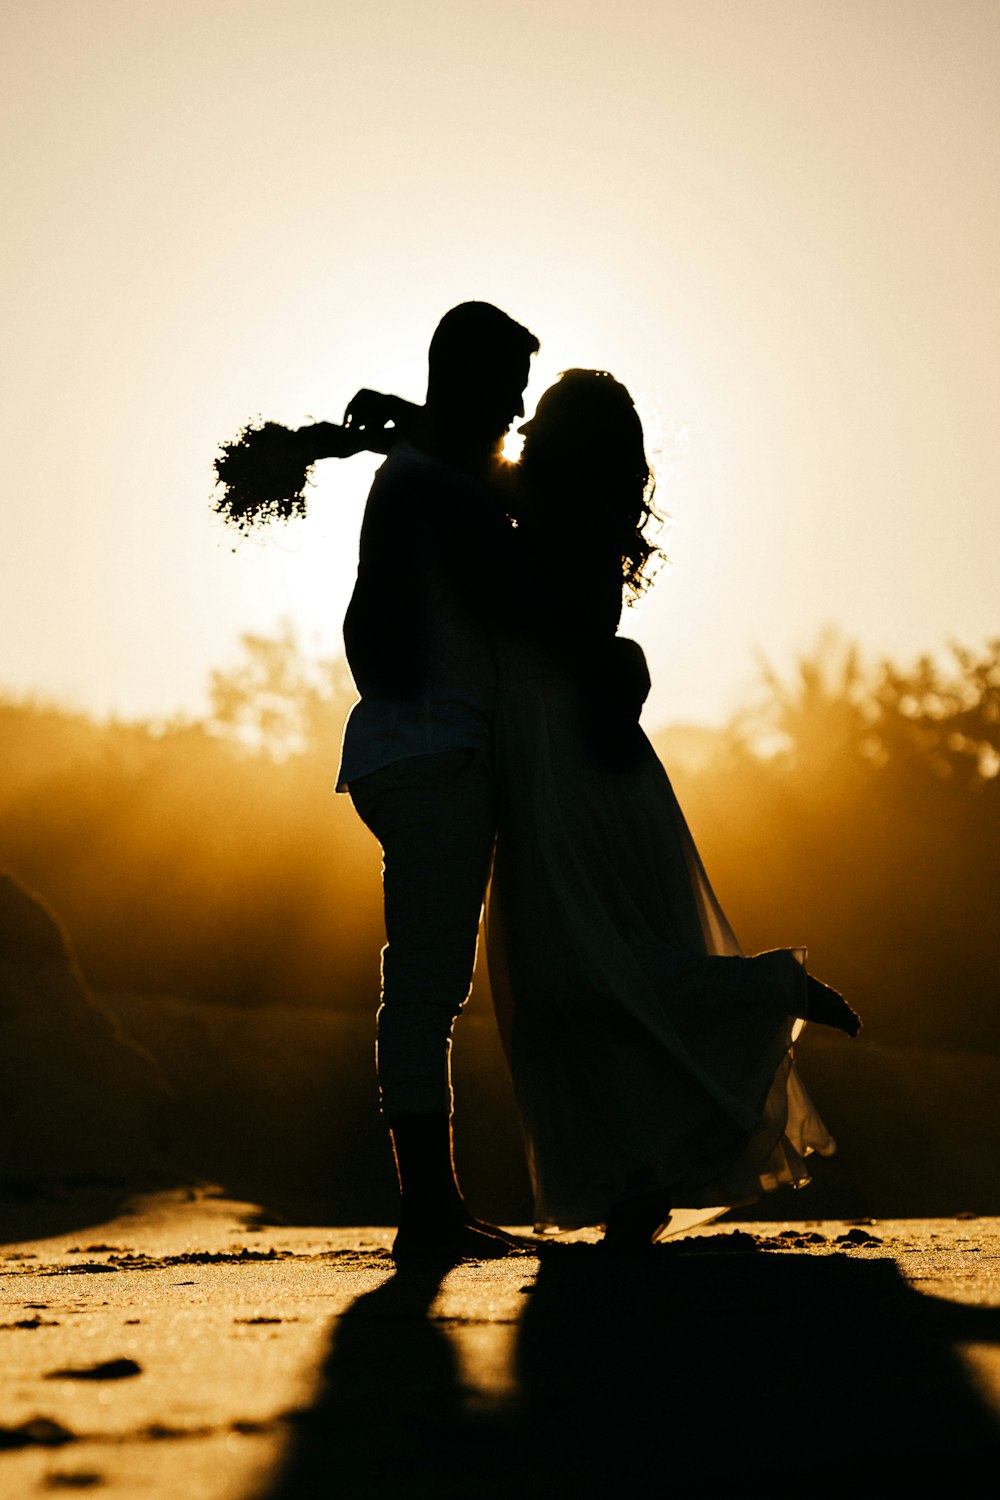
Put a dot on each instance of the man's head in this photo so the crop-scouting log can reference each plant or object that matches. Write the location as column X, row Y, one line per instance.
column 477, row 369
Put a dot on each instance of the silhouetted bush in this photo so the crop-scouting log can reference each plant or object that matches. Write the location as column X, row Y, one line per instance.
column 209, row 860
column 860, row 813
column 856, row 811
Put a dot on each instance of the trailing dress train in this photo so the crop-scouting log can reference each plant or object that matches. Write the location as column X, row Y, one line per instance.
column 646, row 1051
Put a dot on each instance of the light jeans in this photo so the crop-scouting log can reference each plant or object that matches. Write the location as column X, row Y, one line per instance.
column 434, row 817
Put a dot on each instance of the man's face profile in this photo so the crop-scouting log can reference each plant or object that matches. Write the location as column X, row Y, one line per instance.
column 503, row 394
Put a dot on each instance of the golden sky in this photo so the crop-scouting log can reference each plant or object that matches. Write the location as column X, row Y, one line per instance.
column 778, row 221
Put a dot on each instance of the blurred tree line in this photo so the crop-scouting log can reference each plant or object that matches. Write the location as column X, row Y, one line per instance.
column 859, row 812
column 854, row 809
column 206, row 859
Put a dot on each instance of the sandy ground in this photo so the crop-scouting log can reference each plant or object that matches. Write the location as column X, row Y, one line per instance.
column 180, row 1346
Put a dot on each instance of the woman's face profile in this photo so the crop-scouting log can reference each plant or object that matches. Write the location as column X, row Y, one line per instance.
column 552, row 429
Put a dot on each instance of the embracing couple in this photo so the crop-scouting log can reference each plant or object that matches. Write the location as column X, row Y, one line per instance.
column 497, row 731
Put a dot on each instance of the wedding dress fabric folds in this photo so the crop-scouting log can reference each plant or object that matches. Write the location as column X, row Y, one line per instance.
column 646, row 1050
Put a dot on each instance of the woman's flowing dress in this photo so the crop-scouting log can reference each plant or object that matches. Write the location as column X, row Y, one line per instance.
column 646, row 1050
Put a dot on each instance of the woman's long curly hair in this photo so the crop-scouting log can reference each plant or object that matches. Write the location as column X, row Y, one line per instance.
column 584, row 466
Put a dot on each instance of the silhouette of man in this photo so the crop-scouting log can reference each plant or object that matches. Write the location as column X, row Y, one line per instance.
column 417, row 745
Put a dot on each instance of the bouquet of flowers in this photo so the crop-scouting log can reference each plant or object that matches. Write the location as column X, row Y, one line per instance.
column 264, row 471
column 263, row 475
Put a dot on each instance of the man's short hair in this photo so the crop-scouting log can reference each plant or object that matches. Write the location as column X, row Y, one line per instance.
column 473, row 344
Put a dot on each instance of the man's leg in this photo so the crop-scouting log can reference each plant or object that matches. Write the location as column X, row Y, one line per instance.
column 434, row 817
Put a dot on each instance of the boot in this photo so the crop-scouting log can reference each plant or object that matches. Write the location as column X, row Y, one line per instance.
column 434, row 1223
column 632, row 1222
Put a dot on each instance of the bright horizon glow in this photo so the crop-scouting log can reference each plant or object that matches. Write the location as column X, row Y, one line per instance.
column 779, row 230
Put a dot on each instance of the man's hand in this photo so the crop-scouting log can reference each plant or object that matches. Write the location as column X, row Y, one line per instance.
column 377, row 421
column 630, row 672
column 326, row 440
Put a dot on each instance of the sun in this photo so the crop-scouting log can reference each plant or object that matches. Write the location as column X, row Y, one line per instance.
column 512, row 445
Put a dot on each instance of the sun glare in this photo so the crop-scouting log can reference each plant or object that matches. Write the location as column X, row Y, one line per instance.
column 512, row 445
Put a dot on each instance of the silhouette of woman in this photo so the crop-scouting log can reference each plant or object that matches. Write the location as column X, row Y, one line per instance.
column 651, row 1059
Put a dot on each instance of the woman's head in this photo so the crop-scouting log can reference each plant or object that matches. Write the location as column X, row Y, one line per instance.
column 584, row 459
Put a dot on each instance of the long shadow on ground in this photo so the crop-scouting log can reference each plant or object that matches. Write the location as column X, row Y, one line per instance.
column 693, row 1367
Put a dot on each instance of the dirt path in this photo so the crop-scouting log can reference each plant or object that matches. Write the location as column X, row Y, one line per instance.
column 183, row 1348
